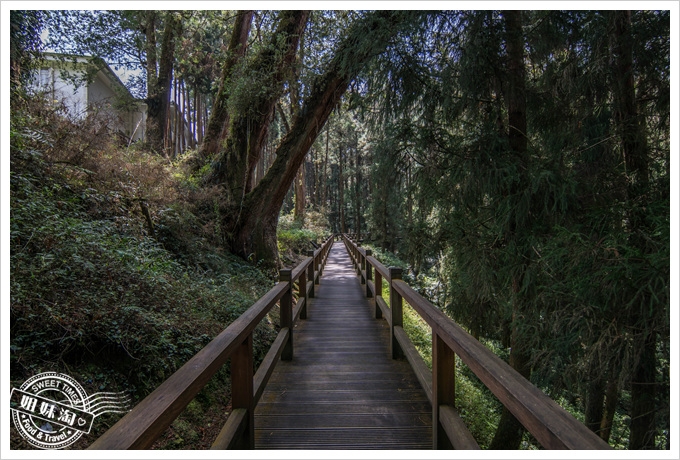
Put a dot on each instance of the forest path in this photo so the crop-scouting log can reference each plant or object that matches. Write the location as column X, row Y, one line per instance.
column 342, row 390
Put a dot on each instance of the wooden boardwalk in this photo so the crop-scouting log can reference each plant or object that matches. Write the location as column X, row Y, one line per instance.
column 342, row 390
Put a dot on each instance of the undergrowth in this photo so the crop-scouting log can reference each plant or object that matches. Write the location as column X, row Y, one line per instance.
column 116, row 298
column 477, row 406
column 295, row 239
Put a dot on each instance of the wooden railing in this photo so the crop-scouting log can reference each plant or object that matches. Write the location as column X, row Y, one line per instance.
column 140, row 428
column 550, row 424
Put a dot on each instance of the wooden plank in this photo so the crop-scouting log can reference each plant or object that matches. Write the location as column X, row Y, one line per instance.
column 302, row 266
column 342, row 390
column 231, row 431
column 345, row 439
column 264, row 371
column 550, row 424
column 422, row 372
column 456, row 430
column 351, row 420
column 371, row 286
column 443, row 388
column 386, row 312
column 299, row 305
column 380, row 268
column 151, row 417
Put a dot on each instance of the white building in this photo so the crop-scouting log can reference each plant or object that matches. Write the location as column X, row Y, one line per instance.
column 86, row 86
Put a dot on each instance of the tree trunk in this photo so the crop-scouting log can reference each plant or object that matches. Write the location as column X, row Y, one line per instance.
column 158, row 100
column 300, row 196
column 218, row 122
column 341, row 190
column 594, row 407
column 248, row 129
column 510, row 431
column 151, row 62
column 324, row 188
column 251, row 226
column 636, row 159
column 199, row 119
column 611, row 400
column 357, row 207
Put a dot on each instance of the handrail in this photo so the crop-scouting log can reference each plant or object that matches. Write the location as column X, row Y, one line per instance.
column 550, row 424
column 140, row 428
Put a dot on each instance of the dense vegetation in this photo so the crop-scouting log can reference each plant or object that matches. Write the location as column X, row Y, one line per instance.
column 517, row 164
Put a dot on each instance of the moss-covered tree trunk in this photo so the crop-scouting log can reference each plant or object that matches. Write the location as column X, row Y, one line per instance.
column 252, row 217
column 255, row 103
column 218, row 123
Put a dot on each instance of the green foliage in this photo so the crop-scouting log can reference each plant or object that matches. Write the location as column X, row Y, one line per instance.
column 92, row 294
column 25, row 27
column 559, row 245
column 294, row 240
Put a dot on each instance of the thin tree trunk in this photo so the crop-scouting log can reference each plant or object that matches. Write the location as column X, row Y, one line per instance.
column 300, row 196
column 312, row 191
column 357, row 191
column 611, row 400
column 595, row 395
column 324, row 189
column 341, row 191
column 177, row 132
column 199, row 119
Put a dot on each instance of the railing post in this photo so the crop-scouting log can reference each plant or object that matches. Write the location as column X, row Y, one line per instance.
column 397, row 316
column 302, row 293
column 322, row 257
column 378, row 293
column 443, row 388
column 317, row 257
column 310, row 273
column 360, row 263
column 242, row 390
column 369, row 273
column 286, row 313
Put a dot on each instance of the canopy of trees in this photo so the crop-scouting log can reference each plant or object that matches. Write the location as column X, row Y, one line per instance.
column 519, row 160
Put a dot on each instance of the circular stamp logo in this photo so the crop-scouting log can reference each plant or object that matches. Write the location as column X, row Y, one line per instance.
column 52, row 411
column 49, row 410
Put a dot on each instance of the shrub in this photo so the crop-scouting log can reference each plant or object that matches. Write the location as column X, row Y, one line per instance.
column 92, row 292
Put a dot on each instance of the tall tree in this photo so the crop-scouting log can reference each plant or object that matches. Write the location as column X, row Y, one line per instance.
column 252, row 215
column 249, row 124
column 158, row 99
column 218, row 123
column 510, row 431
column 635, row 156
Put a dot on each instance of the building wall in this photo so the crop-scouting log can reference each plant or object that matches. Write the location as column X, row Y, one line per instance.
column 59, row 86
column 63, row 86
